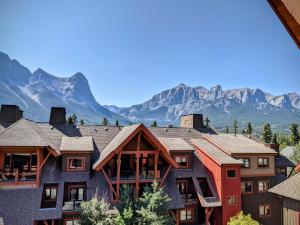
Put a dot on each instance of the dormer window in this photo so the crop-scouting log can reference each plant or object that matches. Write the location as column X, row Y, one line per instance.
column 76, row 164
column 182, row 161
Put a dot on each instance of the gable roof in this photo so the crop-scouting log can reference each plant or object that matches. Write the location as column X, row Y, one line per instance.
column 175, row 144
column 81, row 144
column 289, row 188
column 238, row 144
column 122, row 138
column 214, row 152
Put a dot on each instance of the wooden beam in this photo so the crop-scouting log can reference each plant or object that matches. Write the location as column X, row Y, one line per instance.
column 44, row 161
column 118, row 174
column 208, row 212
column 108, row 181
column 39, row 156
column 53, row 222
column 155, row 163
column 137, row 181
column 45, row 222
column 177, row 216
column 165, row 175
column 134, row 152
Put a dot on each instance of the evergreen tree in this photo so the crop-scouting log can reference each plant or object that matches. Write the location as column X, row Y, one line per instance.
column 242, row 219
column 296, row 155
column 117, row 122
column 104, row 121
column 72, row 119
column 249, row 129
column 267, row 133
column 154, row 124
column 235, row 127
column 294, row 136
column 81, row 122
column 153, row 208
column 226, row 129
column 206, row 122
column 95, row 212
column 274, row 139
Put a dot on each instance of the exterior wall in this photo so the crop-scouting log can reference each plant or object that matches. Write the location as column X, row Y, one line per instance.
column 291, row 211
column 251, row 202
column 192, row 121
column 254, row 170
column 86, row 161
column 230, row 187
column 294, row 8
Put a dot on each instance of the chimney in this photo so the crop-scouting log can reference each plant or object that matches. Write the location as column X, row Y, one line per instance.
column 192, row 121
column 273, row 146
column 58, row 115
column 10, row 113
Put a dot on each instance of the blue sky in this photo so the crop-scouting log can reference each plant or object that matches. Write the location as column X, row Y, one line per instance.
column 130, row 50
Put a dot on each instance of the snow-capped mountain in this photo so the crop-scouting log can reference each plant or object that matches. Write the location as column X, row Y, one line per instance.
column 221, row 106
column 35, row 93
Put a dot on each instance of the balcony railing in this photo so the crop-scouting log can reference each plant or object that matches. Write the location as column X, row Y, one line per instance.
column 131, row 175
column 72, row 206
column 17, row 176
column 189, row 197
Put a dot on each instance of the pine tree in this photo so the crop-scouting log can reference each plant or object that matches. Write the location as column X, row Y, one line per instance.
column 249, row 129
column 294, row 136
column 235, row 127
column 206, row 122
column 95, row 212
column 274, row 139
column 154, row 124
column 104, row 121
column 117, row 122
column 81, row 122
column 267, row 133
column 72, row 119
column 296, row 155
column 226, row 129
column 154, row 205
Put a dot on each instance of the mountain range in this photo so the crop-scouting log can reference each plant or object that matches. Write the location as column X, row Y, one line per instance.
column 36, row 92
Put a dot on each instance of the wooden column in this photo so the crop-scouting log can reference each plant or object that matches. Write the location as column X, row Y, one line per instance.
column 156, row 175
column 137, row 181
column 118, row 174
column 40, row 159
column 177, row 216
column 208, row 212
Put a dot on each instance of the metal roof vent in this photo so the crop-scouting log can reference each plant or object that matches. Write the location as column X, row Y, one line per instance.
column 188, row 130
column 106, row 128
column 52, row 127
column 166, row 129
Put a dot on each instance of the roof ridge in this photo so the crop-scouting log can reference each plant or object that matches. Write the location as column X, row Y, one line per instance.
column 12, row 125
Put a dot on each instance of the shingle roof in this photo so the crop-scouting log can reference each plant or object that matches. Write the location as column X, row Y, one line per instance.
column 283, row 161
column 77, row 144
column 115, row 142
column 214, row 152
column 238, row 144
column 289, row 188
column 176, row 144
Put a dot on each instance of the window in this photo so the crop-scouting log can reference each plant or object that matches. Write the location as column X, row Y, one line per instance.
column 182, row 186
column 186, row 215
column 182, row 161
column 263, row 162
column 49, row 196
column 246, row 187
column 231, row 173
column 72, row 222
column 263, row 186
column 231, row 200
column 76, row 164
column 76, row 194
column 246, row 162
column 264, row 210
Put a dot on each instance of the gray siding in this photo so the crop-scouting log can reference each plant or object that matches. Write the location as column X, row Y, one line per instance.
column 291, row 211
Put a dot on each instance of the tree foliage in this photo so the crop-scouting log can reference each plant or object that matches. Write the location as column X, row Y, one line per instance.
column 235, row 127
column 81, row 122
column 249, row 129
column 96, row 212
column 154, row 124
column 274, row 139
column 242, row 219
column 296, row 155
column 104, row 121
column 206, row 122
column 72, row 119
column 267, row 133
column 226, row 129
column 117, row 122
column 294, row 136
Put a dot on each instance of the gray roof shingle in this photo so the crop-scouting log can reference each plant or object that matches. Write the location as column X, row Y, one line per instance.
column 175, row 144
column 77, row 144
column 289, row 188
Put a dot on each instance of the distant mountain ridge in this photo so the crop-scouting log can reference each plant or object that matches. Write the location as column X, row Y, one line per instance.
column 37, row 92
column 221, row 106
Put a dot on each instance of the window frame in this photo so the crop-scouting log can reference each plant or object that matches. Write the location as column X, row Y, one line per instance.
column 228, row 177
column 49, row 201
column 192, row 215
column 263, row 167
column 182, row 156
column 249, row 162
column 82, row 168
column 247, row 181
column 264, row 181
column 70, row 219
column 76, row 186
column 231, row 204
column 264, row 205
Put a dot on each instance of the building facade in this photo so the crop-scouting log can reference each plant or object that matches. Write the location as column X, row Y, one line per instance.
column 48, row 169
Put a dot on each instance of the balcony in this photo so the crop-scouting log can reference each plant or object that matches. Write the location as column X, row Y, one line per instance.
column 189, row 197
column 71, row 206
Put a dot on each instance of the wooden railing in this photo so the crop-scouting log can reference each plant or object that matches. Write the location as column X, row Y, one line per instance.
column 17, row 176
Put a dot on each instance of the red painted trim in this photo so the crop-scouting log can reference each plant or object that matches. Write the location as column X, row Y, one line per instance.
column 75, row 169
